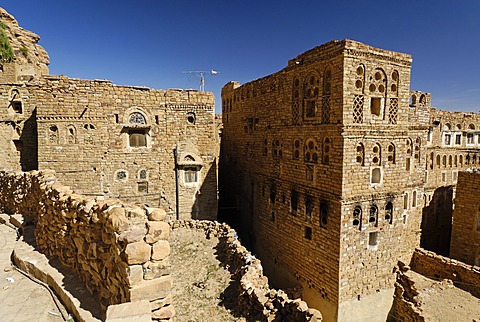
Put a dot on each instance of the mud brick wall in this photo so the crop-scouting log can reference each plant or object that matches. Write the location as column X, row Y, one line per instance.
column 429, row 264
column 256, row 300
column 120, row 251
column 465, row 242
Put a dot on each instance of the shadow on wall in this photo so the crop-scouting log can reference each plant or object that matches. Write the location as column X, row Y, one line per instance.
column 29, row 144
column 205, row 205
column 437, row 222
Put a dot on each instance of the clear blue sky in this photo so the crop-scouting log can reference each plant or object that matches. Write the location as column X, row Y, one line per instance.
column 152, row 42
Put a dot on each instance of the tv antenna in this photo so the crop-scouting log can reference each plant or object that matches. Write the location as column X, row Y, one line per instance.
column 201, row 74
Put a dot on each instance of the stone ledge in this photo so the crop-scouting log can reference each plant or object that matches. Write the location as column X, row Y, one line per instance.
column 83, row 306
column 138, row 311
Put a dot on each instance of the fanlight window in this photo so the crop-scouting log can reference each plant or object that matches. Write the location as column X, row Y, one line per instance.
column 137, row 118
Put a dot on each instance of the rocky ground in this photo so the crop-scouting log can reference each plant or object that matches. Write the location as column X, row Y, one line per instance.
column 444, row 302
column 202, row 288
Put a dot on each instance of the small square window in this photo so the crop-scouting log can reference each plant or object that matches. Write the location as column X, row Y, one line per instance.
column 447, row 139
column 308, row 233
column 470, row 138
column 190, row 174
column 458, row 139
column 17, row 106
column 137, row 138
column 376, row 175
column 142, row 187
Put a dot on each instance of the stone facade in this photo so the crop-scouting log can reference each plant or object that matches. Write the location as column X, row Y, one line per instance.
column 465, row 242
column 452, row 146
column 134, row 143
column 329, row 164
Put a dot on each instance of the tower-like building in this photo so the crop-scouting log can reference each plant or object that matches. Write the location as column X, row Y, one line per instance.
column 325, row 162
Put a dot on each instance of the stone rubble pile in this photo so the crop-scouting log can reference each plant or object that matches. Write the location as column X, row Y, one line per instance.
column 256, row 300
column 120, row 251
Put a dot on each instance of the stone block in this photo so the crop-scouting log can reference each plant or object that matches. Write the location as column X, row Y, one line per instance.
column 133, row 235
column 157, row 230
column 135, row 274
column 154, row 269
column 156, row 214
column 119, row 221
column 157, row 304
column 160, row 250
column 137, row 253
column 152, row 289
column 138, row 311
column 166, row 312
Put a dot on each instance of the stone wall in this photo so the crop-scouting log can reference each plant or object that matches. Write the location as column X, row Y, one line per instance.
column 120, row 251
column 256, row 300
column 465, row 242
column 406, row 306
column 431, row 265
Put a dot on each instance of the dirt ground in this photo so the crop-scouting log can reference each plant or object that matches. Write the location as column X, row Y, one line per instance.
column 444, row 302
column 202, row 287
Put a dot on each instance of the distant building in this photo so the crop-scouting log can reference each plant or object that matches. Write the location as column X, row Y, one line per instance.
column 465, row 244
column 332, row 162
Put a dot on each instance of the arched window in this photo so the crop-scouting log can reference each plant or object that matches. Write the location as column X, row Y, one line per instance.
column 53, row 133
column 311, row 92
column 357, row 217
column 373, row 215
column 142, row 174
column 405, row 201
column 326, row 151
column 391, row 153
column 323, row 214
column 311, row 150
column 277, row 148
column 71, row 135
column 377, row 154
column 360, row 154
column 414, row 199
column 296, row 149
column 417, row 149
column 389, row 212
column 137, row 118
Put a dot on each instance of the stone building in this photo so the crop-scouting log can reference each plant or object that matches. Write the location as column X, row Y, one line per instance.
column 465, row 242
column 329, row 163
column 135, row 143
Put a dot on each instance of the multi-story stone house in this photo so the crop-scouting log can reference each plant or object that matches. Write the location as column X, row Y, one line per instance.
column 332, row 162
column 158, row 147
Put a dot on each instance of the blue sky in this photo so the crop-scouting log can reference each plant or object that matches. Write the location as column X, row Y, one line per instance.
column 152, row 42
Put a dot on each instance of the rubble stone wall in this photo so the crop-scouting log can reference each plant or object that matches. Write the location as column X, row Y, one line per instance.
column 256, row 300
column 405, row 303
column 120, row 251
column 431, row 265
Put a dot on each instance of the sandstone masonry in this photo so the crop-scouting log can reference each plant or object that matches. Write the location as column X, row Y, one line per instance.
column 336, row 166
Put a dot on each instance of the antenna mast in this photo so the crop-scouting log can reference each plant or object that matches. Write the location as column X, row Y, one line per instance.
column 201, row 74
